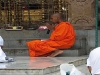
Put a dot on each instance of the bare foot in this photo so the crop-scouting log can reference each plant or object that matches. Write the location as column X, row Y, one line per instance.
column 45, row 55
column 55, row 53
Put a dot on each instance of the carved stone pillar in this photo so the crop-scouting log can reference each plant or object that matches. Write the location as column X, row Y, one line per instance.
column 82, row 13
column 99, row 3
column 99, row 9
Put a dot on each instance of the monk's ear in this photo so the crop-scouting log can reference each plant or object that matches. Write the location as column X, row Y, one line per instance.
column 58, row 18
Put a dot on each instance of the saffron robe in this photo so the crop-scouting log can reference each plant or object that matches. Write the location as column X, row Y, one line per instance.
column 62, row 37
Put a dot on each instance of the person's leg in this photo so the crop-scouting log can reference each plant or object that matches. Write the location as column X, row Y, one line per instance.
column 39, row 48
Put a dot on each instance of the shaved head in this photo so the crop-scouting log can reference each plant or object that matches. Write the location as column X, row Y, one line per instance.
column 58, row 15
column 57, row 18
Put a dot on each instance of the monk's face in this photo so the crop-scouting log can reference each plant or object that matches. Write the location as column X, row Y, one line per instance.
column 54, row 19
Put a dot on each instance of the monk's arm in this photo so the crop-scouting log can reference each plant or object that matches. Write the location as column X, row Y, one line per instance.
column 59, row 33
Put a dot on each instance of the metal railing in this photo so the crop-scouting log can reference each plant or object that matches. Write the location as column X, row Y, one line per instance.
column 29, row 12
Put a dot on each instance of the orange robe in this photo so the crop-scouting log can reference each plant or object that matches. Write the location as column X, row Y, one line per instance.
column 62, row 37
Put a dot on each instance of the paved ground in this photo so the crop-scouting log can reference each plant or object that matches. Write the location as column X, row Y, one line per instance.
column 83, row 69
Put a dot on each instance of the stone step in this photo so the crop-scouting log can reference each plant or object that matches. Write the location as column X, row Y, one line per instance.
column 16, row 51
column 39, row 65
column 73, row 52
column 24, row 52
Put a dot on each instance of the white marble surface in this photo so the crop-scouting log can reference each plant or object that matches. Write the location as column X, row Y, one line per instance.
column 38, row 65
column 38, row 62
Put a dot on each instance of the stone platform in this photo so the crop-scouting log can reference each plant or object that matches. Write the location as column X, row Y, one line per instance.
column 24, row 65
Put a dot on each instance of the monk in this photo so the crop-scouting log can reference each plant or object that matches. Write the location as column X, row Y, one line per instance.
column 62, row 37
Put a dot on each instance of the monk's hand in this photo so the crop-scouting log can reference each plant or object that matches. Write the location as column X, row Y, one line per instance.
column 50, row 27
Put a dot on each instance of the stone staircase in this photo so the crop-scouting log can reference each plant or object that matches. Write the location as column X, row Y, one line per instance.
column 15, row 42
column 99, row 13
